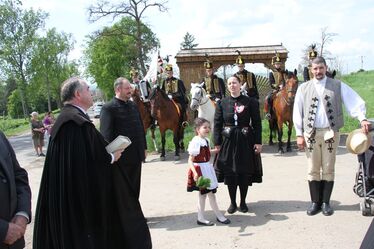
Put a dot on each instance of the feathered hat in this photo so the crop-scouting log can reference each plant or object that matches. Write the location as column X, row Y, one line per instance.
column 312, row 52
column 169, row 67
column 275, row 59
column 239, row 60
column 208, row 64
column 134, row 72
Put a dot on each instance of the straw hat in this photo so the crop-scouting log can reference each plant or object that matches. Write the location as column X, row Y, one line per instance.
column 34, row 114
column 358, row 142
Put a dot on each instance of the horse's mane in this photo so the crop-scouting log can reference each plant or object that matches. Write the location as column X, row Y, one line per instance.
column 162, row 92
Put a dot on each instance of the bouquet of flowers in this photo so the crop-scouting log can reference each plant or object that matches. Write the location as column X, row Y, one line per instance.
column 203, row 182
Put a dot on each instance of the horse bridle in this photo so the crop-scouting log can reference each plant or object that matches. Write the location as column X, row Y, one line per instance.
column 199, row 100
column 289, row 90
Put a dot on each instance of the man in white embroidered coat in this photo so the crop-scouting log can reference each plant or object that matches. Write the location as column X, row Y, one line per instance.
column 318, row 116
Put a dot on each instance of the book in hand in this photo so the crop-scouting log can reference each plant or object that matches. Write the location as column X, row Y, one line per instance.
column 120, row 143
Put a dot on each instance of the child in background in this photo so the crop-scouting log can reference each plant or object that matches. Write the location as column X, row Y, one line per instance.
column 199, row 165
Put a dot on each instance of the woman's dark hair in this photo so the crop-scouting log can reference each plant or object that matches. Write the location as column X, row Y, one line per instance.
column 235, row 76
column 198, row 122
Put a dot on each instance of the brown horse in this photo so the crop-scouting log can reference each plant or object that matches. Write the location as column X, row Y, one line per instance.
column 145, row 113
column 283, row 107
column 167, row 115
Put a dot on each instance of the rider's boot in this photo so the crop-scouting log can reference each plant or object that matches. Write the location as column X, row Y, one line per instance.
column 267, row 109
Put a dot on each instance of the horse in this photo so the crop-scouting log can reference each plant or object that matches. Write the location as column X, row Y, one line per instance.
column 283, row 106
column 167, row 114
column 145, row 113
column 202, row 103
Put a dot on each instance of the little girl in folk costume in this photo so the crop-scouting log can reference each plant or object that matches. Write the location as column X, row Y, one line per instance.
column 199, row 166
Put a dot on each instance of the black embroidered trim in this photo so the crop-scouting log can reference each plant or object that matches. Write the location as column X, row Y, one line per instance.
column 329, row 144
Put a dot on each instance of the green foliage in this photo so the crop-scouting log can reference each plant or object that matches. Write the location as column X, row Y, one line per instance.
column 14, row 105
column 18, row 31
column 51, row 67
column 7, row 125
column 113, row 52
column 188, row 42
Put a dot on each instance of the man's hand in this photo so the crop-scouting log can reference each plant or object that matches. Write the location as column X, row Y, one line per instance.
column 257, row 148
column 300, row 143
column 117, row 154
column 14, row 233
column 365, row 126
column 20, row 221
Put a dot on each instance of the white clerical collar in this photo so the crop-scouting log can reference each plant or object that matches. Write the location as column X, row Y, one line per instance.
column 322, row 81
column 80, row 108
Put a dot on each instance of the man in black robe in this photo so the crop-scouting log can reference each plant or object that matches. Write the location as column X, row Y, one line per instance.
column 75, row 206
column 121, row 116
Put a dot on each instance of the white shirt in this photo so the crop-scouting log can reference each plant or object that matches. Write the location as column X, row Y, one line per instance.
column 353, row 103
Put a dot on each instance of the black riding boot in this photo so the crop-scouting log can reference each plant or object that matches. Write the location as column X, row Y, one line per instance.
column 315, row 207
column 327, row 189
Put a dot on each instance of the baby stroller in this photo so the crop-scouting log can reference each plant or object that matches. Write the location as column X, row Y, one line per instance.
column 364, row 182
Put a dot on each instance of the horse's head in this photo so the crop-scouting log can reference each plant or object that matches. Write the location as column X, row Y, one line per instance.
column 291, row 84
column 157, row 98
column 136, row 95
column 331, row 74
column 197, row 95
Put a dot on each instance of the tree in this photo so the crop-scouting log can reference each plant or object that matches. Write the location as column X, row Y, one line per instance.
column 326, row 38
column 6, row 88
column 109, row 56
column 188, row 42
column 134, row 9
column 18, row 31
column 50, row 64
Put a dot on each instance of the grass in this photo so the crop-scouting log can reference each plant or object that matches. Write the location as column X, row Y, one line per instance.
column 12, row 127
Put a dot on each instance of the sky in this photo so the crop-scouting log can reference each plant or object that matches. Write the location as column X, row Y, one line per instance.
column 216, row 23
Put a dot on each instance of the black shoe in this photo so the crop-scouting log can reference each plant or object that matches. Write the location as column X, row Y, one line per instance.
column 41, row 154
column 326, row 209
column 227, row 221
column 313, row 209
column 204, row 224
column 232, row 209
column 243, row 208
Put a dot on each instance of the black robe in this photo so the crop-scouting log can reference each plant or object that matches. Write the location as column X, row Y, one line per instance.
column 76, row 204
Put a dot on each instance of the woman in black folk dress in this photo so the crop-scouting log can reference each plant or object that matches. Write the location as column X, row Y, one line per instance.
column 237, row 134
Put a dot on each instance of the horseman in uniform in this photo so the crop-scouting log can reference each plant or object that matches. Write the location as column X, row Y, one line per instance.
column 176, row 91
column 143, row 86
column 277, row 81
column 246, row 77
column 213, row 85
column 308, row 70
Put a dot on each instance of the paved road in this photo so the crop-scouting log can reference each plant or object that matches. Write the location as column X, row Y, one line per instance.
column 276, row 217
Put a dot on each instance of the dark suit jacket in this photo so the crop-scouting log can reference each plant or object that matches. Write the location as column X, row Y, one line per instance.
column 19, row 198
column 118, row 117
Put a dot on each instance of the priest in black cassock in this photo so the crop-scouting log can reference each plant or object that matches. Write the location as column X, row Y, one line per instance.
column 121, row 116
column 75, row 206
